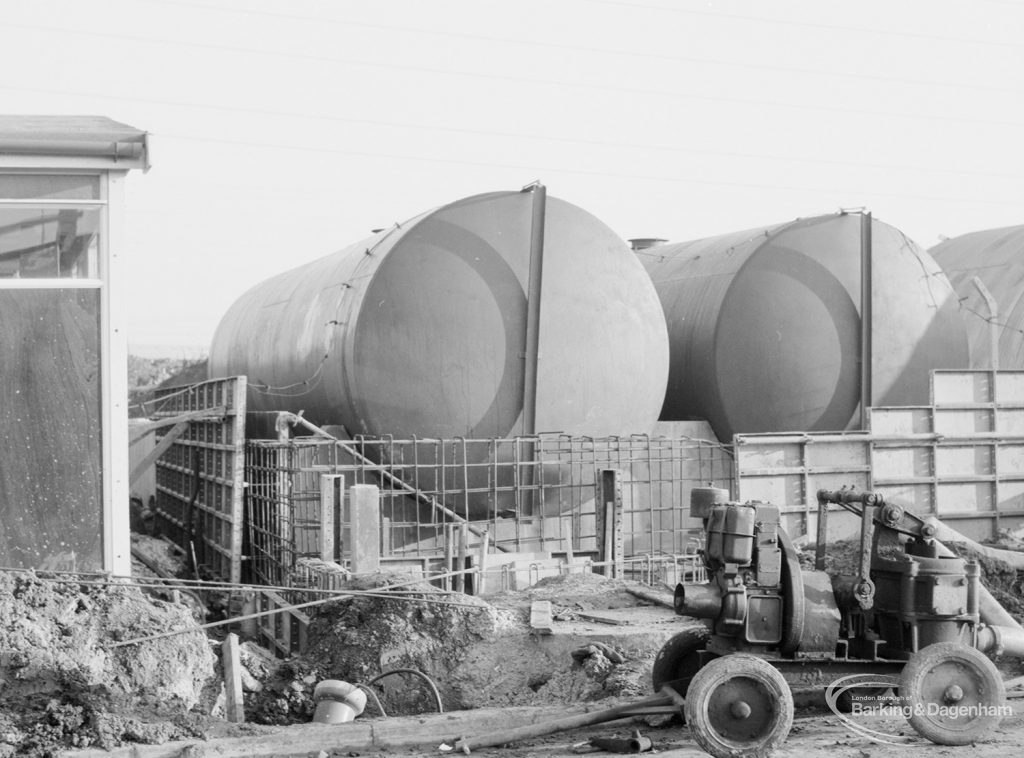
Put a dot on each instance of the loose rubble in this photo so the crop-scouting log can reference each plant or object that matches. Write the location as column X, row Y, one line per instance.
column 62, row 683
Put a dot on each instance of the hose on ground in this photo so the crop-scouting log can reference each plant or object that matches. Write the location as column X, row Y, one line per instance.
column 373, row 696
column 415, row 672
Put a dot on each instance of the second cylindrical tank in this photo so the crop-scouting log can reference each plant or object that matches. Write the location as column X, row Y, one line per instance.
column 765, row 325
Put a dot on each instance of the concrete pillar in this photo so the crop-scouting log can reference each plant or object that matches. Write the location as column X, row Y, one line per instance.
column 364, row 530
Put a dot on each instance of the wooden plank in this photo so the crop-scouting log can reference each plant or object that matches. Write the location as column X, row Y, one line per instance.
column 206, row 414
column 664, row 599
column 234, row 704
column 426, row 730
column 481, row 582
column 449, row 554
column 364, row 515
column 328, row 509
column 460, row 579
column 541, row 620
column 600, row 618
column 169, row 439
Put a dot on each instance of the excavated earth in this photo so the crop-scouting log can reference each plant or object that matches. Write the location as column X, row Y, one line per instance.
column 61, row 682
column 64, row 684
column 478, row 654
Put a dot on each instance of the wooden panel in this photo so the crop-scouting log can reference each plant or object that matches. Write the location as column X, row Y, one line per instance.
column 200, row 479
column 51, row 500
column 964, row 421
column 961, row 458
column 900, row 421
column 1010, row 387
column 962, row 387
column 788, row 470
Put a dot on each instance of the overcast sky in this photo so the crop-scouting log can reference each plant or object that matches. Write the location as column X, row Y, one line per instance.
column 285, row 130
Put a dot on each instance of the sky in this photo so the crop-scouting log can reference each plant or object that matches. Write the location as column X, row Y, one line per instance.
column 282, row 131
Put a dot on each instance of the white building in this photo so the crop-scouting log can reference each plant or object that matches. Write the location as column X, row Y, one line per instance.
column 63, row 348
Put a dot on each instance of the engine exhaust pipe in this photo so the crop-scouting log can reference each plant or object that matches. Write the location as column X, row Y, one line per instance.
column 703, row 601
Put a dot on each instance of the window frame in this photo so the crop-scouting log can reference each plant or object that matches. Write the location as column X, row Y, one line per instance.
column 113, row 354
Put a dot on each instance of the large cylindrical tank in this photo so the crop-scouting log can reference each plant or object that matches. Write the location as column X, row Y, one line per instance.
column 996, row 258
column 421, row 330
column 764, row 325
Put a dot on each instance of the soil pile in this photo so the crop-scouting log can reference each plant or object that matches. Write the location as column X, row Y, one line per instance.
column 62, row 683
column 358, row 638
column 478, row 655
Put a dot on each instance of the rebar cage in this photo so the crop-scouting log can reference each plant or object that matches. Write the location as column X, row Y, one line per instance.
column 529, row 493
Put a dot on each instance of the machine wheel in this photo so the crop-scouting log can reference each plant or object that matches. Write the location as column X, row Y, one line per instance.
column 793, row 590
column 945, row 676
column 739, row 706
column 678, row 660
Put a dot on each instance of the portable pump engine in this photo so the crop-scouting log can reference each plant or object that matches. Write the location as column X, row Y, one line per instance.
column 914, row 616
column 758, row 598
column 907, row 594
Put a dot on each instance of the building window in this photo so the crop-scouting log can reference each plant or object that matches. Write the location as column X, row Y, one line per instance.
column 49, row 243
column 51, row 300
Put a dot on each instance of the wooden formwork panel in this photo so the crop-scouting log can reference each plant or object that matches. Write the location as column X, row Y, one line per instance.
column 961, row 458
column 789, row 469
column 200, row 480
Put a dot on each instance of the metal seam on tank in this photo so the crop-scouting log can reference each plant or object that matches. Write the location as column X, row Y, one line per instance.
column 352, row 308
column 514, row 343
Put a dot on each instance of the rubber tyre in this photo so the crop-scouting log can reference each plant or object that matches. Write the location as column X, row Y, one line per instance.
column 927, row 675
column 678, row 661
column 718, row 687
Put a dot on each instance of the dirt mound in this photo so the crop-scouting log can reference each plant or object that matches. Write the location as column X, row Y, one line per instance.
column 478, row 655
column 357, row 639
column 569, row 593
column 999, row 578
column 63, row 684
